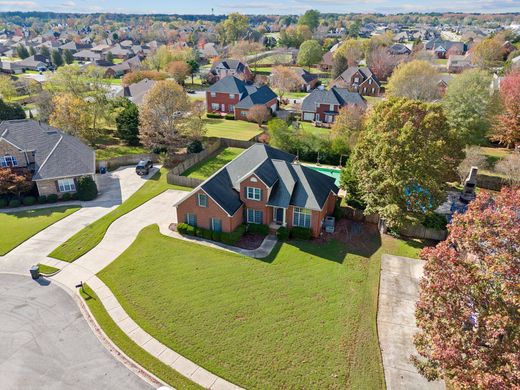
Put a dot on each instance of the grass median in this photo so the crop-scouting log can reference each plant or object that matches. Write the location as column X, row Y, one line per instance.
column 131, row 349
column 90, row 236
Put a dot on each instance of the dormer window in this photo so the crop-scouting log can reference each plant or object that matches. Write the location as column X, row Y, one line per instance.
column 231, row 95
column 254, row 193
column 213, row 94
column 8, row 161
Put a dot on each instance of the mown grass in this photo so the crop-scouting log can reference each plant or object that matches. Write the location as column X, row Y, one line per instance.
column 136, row 353
column 305, row 317
column 15, row 228
column 206, row 168
column 234, row 129
column 47, row 269
column 112, row 151
column 87, row 238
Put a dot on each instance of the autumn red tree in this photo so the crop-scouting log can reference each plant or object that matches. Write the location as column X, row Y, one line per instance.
column 468, row 311
column 507, row 128
column 259, row 114
column 14, row 183
column 381, row 62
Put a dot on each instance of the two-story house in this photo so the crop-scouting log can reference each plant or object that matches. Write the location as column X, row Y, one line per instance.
column 323, row 105
column 263, row 185
column 357, row 79
column 233, row 96
column 54, row 159
column 229, row 67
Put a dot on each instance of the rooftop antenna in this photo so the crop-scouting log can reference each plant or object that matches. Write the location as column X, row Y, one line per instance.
column 212, row 12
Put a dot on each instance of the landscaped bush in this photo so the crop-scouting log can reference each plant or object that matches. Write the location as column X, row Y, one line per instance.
column 435, row 221
column 230, row 117
column 212, row 115
column 66, row 196
column 234, row 236
column 216, row 236
column 301, row 233
column 3, row 202
column 42, row 199
column 258, row 228
column 52, row 198
column 15, row 203
column 182, row 228
column 29, row 200
column 195, row 147
column 226, row 238
column 282, row 233
column 86, row 188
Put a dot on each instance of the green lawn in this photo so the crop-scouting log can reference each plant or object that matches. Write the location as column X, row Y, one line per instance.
column 305, row 317
column 373, row 100
column 139, row 355
column 283, row 58
column 111, row 151
column 206, row 168
column 87, row 238
column 295, row 95
column 47, row 269
column 320, row 131
column 234, row 129
column 17, row 227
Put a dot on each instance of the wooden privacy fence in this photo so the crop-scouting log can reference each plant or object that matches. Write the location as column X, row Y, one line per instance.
column 212, row 149
column 129, row 159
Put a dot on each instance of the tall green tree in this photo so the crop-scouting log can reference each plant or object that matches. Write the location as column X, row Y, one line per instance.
column 44, row 51
column 310, row 18
column 68, row 57
column 310, row 53
column 110, row 57
column 57, row 59
column 194, row 68
column 403, row 159
column 468, row 105
column 22, row 51
column 127, row 122
column 11, row 111
column 414, row 80
column 235, row 27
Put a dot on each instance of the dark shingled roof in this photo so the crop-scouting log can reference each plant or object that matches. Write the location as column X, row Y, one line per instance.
column 56, row 154
column 335, row 95
column 291, row 183
column 249, row 94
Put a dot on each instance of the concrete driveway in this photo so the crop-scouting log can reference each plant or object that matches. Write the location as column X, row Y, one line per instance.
column 47, row 344
column 398, row 293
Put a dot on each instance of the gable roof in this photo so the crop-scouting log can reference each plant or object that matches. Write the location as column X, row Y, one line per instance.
column 249, row 94
column 335, row 96
column 56, row 154
column 290, row 182
column 231, row 64
column 136, row 92
column 365, row 73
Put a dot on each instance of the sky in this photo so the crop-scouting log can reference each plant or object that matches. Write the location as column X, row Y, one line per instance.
column 278, row 7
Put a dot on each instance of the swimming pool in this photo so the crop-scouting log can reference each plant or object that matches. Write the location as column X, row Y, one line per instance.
column 332, row 172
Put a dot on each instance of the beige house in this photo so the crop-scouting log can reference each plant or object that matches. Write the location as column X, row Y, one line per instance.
column 54, row 159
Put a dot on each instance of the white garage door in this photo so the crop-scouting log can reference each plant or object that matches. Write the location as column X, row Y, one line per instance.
column 308, row 116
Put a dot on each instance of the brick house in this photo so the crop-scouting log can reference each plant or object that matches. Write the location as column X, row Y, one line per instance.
column 233, row 96
column 442, row 48
column 262, row 185
column 308, row 81
column 230, row 67
column 54, row 159
column 323, row 105
column 360, row 80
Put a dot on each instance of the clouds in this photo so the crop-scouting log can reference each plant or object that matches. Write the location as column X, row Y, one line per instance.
column 21, row 4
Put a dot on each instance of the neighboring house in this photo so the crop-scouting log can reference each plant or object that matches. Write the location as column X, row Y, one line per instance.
column 327, row 61
column 54, row 159
column 357, row 79
column 440, row 47
column 208, row 51
column 262, row 185
column 87, row 55
column 36, row 62
column 118, row 70
column 323, row 106
column 136, row 92
column 231, row 95
column 10, row 67
column 73, row 47
column 308, row 80
column 458, row 63
column 226, row 68
column 515, row 62
column 399, row 49
column 444, row 81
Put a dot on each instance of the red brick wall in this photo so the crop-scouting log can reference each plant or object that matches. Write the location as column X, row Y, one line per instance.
column 204, row 214
column 316, row 216
column 239, row 111
column 322, row 108
column 255, row 204
column 369, row 87
column 221, row 98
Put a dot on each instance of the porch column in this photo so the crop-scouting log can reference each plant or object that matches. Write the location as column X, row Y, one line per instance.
column 284, row 224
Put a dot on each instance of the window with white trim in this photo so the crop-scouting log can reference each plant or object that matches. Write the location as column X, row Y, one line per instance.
column 216, row 224
column 255, row 216
column 302, row 217
column 243, row 113
column 191, row 219
column 231, row 108
column 231, row 95
column 254, row 193
column 215, row 106
column 66, row 185
column 356, row 79
column 213, row 94
column 202, row 200
column 8, row 161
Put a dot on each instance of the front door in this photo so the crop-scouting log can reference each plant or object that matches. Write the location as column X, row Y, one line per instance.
column 279, row 215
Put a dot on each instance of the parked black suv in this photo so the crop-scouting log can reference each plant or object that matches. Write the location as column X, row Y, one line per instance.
column 143, row 167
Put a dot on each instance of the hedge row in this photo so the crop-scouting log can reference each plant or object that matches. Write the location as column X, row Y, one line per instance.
column 263, row 230
column 212, row 115
column 31, row 200
column 226, row 238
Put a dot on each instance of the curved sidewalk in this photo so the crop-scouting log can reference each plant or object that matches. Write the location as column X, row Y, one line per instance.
column 117, row 239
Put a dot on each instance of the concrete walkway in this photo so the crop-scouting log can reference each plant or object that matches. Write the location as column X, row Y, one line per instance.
column 398, row 292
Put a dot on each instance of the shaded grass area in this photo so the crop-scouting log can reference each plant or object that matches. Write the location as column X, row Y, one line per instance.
column 319, row 131
column 87, row 238
column 111, row 151
column 47, row 269
column 139, row 355
column 304, row 317
column 234, row 129
column 15, row 228
column 206, row 168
